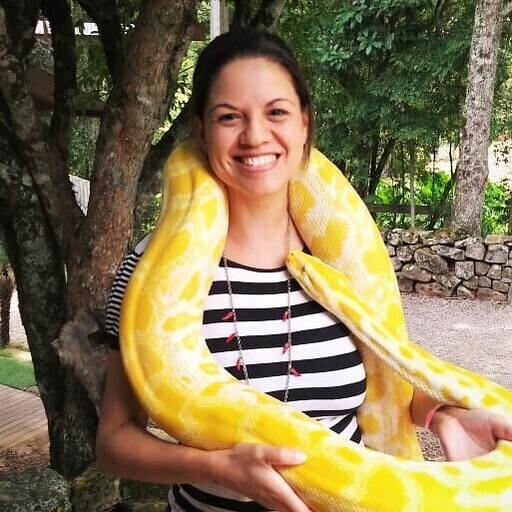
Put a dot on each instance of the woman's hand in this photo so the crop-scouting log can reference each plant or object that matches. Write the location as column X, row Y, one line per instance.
column 468, row 433
column 249, row 469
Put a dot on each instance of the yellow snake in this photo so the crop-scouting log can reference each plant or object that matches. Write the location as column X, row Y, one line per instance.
column 197, row 402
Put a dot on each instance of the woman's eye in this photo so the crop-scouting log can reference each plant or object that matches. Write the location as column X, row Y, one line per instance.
column 226, row 118
column 277, row 112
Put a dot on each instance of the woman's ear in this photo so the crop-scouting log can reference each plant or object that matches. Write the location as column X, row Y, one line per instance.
column 199, row 132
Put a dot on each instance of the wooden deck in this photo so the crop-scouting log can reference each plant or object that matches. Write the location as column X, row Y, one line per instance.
column 23, row 427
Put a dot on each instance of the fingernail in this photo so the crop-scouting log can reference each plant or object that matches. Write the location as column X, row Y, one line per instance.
column 300, row 457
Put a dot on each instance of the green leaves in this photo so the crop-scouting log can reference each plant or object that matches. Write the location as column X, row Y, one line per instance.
column 382, row 70
column 497, row 204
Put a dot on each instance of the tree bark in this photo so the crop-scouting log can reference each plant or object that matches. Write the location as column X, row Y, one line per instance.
column 63, row 261
column 133, row 112
column 472, row 168
column 39, row 268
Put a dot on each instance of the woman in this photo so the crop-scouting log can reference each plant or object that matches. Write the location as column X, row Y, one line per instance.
column 253, row 119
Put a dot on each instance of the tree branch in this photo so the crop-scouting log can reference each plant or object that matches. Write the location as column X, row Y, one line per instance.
column 47, row 169
column 19, row 19
column 58, row 13
column 106, row 16
column 268, row 14
column 150, row 182
column 241, row 14
column 507, row 9
column 136, row 107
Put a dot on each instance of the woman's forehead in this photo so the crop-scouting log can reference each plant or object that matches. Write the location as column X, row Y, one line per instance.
column 256, row 76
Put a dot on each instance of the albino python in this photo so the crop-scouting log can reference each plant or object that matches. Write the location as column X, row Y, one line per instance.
column 197, row 402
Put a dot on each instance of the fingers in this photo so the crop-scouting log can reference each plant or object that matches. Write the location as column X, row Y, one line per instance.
column 277, row 456
column 258, row 479
column 501, row 429
column 285, row 497
column 468, row 433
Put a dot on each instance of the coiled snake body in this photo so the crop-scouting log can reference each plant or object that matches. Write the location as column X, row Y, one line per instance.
column 188, row 395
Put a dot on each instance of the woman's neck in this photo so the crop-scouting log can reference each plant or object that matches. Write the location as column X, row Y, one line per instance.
column 260, row 233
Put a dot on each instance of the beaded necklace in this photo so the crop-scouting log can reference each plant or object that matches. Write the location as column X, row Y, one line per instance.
column 287, row 317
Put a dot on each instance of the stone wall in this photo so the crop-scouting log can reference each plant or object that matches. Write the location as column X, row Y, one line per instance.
column 434, row 264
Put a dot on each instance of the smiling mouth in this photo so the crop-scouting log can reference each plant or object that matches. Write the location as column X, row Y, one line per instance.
column 258, row 161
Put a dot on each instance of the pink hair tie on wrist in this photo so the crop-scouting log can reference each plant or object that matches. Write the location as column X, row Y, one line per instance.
column 430, row 416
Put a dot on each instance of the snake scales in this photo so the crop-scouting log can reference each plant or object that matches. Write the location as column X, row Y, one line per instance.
column 188, row 395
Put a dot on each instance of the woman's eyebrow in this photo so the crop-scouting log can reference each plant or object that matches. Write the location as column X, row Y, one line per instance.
column 281, row 99
column 222, row 105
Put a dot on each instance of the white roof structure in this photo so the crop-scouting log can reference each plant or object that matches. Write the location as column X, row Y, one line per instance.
column 82, row 190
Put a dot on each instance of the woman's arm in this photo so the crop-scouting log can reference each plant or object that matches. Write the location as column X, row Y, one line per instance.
column 463, row 433
column 126, row 449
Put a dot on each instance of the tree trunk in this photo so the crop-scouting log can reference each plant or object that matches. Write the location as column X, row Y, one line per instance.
column 63, row 261
column 412, row 192
column 472, row 169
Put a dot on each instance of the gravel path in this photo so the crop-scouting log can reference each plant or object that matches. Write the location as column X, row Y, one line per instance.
column 470, row 333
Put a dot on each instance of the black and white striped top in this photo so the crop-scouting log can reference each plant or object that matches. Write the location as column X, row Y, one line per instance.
column 331, row 385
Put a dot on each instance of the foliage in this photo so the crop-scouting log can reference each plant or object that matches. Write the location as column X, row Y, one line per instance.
column 81, row 151
column 14, row 373
column 93, row 77
column 502, row 120
column 428, row 191
column 429, row 188
column 385, row 73
column 149, row 218
column 497, row 205
column 382, row 71
column 4, row 261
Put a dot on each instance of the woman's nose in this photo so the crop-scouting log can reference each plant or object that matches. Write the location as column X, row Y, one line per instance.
column 255, row 132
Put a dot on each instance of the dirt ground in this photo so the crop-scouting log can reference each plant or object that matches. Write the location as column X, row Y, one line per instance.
column 32, row 455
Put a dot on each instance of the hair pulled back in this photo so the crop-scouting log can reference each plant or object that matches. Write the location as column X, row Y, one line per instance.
column 248, row 43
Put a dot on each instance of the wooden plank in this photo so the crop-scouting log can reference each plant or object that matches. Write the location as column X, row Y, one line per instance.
column 10, row 400
column 10, row 393
column 27, row 434
column 7, row 437
column 20, row 436
column 23, row 424
column 19, row 410
column 23, row 412
column 14, row 394
column 19, row 403
column 26, row 418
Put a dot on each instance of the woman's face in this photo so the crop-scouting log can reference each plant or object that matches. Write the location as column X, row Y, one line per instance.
column 254, row 128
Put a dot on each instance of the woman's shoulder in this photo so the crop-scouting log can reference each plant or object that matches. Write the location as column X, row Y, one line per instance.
column 132, row 257
column 142, row 244
column 123, row 274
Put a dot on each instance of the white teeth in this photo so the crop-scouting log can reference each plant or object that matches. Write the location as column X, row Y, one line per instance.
column 258, row 161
